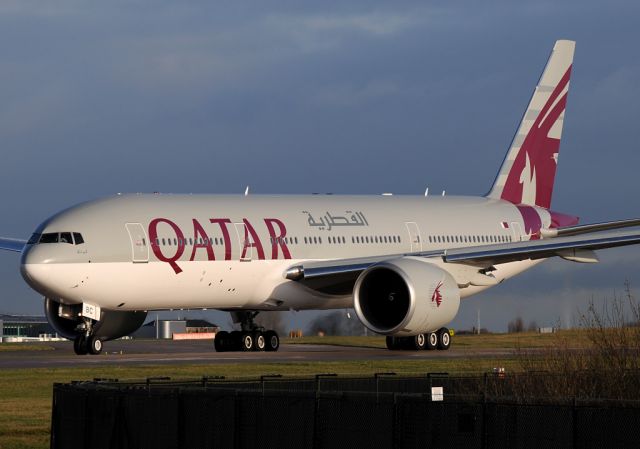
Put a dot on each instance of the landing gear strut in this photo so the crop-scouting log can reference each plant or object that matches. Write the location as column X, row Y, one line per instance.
column 440, row 339
column 251, row 338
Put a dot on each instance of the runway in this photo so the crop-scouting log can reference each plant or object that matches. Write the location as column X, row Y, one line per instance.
column 169, row 352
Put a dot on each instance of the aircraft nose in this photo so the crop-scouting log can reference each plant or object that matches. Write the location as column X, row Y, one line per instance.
column 35, row 268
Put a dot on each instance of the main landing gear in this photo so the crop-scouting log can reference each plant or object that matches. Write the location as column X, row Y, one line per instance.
column 251, row 338
column 85, row 342
column 440, row 339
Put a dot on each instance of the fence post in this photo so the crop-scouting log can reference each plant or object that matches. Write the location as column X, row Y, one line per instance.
column 320, row 376
column 483, row 431
column 394, row 426
column 237, row 431
column 377, row 378
column 264, row 377
column 574, row 424
column 314, row 435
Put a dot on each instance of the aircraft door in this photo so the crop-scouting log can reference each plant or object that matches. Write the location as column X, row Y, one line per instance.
column 245, row 243
column 414, row 236
column 139, row 243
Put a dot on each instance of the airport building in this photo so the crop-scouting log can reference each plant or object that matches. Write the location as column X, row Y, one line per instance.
column 167, row 329
column 14, row 326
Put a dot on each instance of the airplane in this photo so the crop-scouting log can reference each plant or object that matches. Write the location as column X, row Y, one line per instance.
column 402, row 262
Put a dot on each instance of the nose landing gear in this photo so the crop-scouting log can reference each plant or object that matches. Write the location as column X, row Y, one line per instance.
column 85, row 342
column 252, row 337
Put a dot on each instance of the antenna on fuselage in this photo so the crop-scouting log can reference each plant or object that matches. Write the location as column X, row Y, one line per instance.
column 246, row 191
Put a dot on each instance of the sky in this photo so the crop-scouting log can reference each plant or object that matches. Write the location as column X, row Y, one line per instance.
column 343, row 96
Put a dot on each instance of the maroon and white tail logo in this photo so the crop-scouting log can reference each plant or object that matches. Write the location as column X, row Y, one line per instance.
column 437, row 295
column 530, row 180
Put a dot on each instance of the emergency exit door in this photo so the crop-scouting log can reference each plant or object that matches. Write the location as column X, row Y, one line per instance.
column 139, row 243
column 414, row 236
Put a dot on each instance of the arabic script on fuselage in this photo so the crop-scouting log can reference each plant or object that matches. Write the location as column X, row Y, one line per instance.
column 329, row 221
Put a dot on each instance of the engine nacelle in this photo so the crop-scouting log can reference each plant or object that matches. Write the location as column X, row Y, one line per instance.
column 113, row 324
column 405, row 296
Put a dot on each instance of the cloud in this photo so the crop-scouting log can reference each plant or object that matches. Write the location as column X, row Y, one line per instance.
column 376, row 23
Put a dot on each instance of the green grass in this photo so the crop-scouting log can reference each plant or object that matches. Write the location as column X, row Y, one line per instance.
column 25, row 394
column 8, row 347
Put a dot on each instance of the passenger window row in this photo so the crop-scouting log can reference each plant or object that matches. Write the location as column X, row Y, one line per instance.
column 211, row 241
column 470, row 239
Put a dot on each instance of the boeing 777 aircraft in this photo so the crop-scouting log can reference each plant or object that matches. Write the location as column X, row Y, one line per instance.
column 402, row 262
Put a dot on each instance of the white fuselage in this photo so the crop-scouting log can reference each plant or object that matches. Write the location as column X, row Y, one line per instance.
column 151, row 252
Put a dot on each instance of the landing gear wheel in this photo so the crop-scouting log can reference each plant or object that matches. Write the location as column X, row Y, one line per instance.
column 419, row 342
column 259, row 342
column 246, row 342
column 444, row 339
column 272, row 341
column 94, row 345
column 432, row 341
column 79, row 345
column 235, row 341
column 221, row 341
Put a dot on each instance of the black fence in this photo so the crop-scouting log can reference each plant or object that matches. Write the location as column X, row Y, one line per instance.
column 327, row 411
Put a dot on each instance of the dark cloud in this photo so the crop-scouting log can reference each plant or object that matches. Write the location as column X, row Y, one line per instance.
column 349, row 97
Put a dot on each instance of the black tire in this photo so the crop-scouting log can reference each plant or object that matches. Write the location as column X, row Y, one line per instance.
column 94, row 345
column 432, row 341
column 444, row 339
column 235, row 341
column 419, row 342
column 247, row 342
column 221, row 341
column 259, row 342
column 79, row 346
column 392, row 344
column 272, row 341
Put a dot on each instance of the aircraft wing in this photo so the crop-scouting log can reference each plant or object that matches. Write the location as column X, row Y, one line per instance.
column 324, row 275
column 576, row 248
column 12, row 244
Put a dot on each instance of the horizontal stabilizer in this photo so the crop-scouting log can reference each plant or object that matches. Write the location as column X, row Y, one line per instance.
column 594, row 227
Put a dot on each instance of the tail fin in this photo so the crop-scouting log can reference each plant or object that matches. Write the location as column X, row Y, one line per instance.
column 529, row 169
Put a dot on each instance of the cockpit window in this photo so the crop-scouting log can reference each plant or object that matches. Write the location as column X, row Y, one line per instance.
column 49, row 237
column 35, row 238
column 59, row 237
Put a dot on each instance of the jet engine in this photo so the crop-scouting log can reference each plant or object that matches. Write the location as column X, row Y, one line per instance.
column 405, row 296
column 113, row 324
